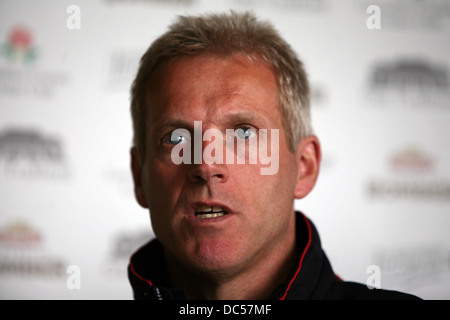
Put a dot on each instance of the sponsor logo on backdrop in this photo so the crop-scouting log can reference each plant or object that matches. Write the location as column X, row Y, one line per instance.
column 19, row 47
column 22, row 253
column 20, row 73
column 121, row 69
column 409, row 83
column 29, row 154
column 410, row 160
column 19, row 234
column 122, row 245
column 119, row 178
column 410, row 176
column 413, row 267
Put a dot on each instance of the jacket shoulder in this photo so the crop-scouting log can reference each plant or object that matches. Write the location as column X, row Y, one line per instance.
column 347, row 290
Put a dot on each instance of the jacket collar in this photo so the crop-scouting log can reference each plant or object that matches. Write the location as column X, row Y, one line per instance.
column 311, row 279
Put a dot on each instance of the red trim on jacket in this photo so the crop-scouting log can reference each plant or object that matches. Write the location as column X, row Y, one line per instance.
column 301, row 259
column 136, row 274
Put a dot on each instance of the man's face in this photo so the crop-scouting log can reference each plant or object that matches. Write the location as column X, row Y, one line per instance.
column 223, row 93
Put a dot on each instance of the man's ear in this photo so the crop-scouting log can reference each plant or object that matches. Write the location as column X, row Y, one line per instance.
column 136, row 169
column 308, row 156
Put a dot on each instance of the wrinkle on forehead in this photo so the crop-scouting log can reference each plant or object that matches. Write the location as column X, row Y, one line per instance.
column 220, row 83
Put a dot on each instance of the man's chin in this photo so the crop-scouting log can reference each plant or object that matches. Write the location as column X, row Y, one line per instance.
column 214, row 257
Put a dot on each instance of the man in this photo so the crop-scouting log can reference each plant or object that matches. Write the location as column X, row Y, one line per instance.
column 209, row 90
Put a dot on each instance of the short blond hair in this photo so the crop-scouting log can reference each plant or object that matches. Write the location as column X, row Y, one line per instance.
column 228, row 34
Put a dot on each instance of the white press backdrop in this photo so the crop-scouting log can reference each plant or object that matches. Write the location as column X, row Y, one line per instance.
column 381, row 108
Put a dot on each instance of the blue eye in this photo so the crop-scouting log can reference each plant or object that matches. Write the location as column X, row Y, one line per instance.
column 176, row 137
column 246, row 133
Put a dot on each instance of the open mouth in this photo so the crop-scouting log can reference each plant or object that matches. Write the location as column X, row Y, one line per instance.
column 209, row 212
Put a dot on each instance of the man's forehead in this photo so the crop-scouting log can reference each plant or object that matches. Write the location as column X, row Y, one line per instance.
column 180, row 72
column 228, row 84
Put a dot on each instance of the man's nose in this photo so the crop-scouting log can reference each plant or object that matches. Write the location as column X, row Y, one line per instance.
column 210, row 168
column 206, row 173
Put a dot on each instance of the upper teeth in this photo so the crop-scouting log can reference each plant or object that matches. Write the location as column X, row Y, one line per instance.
column 202, row 209
column 205, row 212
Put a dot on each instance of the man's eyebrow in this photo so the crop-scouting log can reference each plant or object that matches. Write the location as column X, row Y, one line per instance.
column 229, row 120
column 243, row 117
column 174, row 123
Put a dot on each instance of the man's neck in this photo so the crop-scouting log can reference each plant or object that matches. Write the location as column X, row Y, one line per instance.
column 254, row 283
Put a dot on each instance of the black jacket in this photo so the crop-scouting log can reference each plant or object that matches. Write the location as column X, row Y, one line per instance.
column 313, row 279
